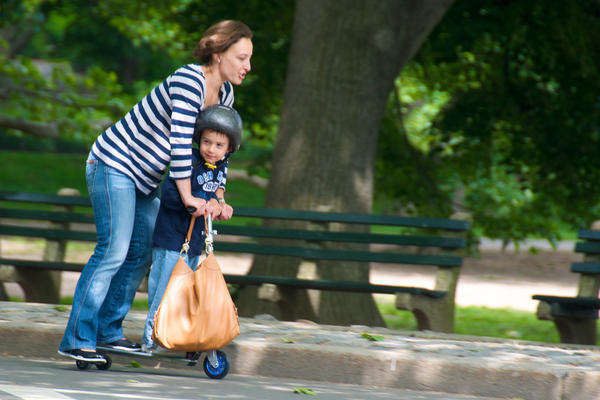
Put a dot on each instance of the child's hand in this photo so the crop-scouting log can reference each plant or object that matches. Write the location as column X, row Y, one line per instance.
column 214, row 209
column 226, row 211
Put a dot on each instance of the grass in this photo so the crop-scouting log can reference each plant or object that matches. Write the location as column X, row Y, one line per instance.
column 40, row 172
column 482, row 321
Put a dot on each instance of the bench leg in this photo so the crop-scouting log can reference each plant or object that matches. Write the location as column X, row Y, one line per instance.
column 570, row 329
column 431, row 314
column 576, row 330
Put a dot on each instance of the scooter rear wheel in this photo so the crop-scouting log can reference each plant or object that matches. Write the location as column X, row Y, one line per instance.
column 82, row 365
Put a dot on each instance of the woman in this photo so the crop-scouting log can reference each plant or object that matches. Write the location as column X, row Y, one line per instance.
column 125, row 166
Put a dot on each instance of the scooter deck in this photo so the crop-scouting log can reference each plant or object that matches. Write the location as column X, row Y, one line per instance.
column 143, row 354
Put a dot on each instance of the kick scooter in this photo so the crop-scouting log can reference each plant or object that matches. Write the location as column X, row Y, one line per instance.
column 216, row 363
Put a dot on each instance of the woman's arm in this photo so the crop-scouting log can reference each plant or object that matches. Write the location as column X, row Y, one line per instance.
column 184, row 187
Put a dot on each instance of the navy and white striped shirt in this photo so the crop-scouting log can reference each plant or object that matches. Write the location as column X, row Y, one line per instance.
column 158, row 130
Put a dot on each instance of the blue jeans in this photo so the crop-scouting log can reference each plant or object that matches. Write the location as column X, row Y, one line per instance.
column 163, row 261
column 106, row 288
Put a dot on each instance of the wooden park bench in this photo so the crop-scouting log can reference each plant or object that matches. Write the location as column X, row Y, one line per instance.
column 433, row 308
column 576, row 317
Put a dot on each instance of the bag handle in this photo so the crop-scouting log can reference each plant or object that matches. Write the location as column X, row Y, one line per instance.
column 208, row 242
column 185, row 247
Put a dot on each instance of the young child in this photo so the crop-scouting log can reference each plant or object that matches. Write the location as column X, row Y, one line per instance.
column 218, row 133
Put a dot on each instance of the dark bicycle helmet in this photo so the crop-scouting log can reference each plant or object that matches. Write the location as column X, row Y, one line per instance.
column 222, row 119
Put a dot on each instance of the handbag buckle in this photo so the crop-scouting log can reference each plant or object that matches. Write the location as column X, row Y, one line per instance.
column 185, row 248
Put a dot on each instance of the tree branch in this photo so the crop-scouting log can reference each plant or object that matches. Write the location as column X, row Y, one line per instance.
column 39, row 129
column 53, row 95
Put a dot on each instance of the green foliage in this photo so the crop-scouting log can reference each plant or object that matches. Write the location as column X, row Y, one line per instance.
column 63, row 102
column 302, row 390
column 372, row 338
column 501, row 111
column 75, row 66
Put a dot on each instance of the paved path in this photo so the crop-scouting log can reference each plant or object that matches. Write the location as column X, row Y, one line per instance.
column 421, row 361
column 34, row 379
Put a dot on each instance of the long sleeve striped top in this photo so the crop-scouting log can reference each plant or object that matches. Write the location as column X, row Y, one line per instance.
column 157, row 132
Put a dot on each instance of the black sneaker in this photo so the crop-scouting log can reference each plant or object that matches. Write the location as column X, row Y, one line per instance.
column 84, row 355
column 125, row 344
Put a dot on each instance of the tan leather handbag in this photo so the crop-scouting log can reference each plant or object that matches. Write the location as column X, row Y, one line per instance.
column 196, row 312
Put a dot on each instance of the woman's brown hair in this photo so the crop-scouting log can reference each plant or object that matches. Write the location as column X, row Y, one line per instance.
column 218, row 38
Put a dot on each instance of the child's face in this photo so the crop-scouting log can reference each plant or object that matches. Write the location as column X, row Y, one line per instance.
column 213, row 145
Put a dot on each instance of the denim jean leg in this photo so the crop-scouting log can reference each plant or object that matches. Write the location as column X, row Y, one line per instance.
column 112, row 195
column 163, row 261
column 125, row 284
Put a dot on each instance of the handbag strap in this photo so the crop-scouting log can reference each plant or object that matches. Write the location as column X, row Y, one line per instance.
column 208, row 241
column 186, row 245
column 208, row 234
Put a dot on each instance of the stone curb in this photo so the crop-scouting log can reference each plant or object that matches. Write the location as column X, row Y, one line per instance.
column 422, row 361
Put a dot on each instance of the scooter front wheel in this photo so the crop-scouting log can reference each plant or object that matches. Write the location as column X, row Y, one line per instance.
column 219, row 371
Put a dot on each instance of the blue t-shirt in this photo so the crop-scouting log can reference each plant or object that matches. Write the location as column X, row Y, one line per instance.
column 173, row 220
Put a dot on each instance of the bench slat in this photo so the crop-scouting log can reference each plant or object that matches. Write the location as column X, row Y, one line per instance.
column 342, row 255
column 344, row 286
column 51, row 234
column 588, row 247
column 390, row 220
column 584, row 302
column 42, row 198
column 590, row 268
column 294, row 251
column 263, row 232
column 589, row 234
column 407, row 240
column 572, row 307
column 55, row 216
column 277, row 213
column 54, row 265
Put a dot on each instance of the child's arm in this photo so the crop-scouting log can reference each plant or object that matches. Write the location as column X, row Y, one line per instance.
column 226, row 209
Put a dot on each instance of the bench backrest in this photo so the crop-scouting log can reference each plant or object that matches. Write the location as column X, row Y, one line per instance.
column 589, row 269
column 306, row 243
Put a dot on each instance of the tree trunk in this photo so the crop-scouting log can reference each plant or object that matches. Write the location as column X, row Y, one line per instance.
column 343, row 61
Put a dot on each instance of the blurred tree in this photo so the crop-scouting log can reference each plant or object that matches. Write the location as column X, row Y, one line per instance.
column 45, row 96
column 343, row 62
column 72, row 67
column 501, row 111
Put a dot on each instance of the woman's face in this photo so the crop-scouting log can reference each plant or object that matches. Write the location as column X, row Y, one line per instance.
column 235, row 61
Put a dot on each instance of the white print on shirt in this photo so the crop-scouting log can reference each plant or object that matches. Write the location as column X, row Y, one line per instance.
column 206, row 181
